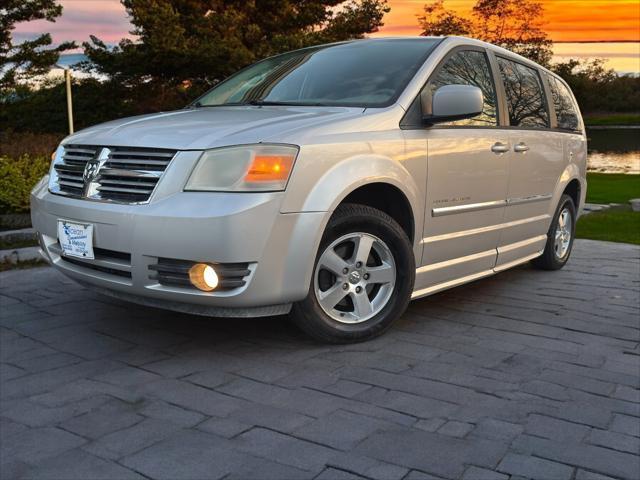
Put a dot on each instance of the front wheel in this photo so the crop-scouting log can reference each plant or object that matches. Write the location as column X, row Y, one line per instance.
column 362, row 279
column 560, row 237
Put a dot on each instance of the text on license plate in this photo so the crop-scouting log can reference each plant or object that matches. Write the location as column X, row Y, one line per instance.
column 76, row 239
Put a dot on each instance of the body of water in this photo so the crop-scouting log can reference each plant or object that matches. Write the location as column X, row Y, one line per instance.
column 623, row 57
column 71, row 59
column 614, row 150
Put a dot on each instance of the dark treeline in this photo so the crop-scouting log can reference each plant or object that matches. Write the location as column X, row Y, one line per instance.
column 44, row 110
column 599, row 90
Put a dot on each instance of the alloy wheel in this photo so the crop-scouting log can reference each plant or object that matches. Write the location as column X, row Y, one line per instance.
column 355, row 277
column 563, row 234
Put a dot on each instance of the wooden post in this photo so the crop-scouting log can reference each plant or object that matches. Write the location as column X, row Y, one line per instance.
column 67, row 77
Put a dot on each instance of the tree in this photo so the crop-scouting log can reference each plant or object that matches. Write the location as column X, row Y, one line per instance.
column 31, row 57
column 516, row 25
column 599, row 89
column 512, row 24
column 438, row 21
column 199, row 42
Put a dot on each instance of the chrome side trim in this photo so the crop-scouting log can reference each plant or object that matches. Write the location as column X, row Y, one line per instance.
column 455, row 261
column 469, row 207
column 490, row 228
column 506, row 266
column 530, row 199
column 451, row 283
column 523, row 243
column 473, row 207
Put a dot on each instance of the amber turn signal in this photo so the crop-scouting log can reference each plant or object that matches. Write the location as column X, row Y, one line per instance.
column 269, row 168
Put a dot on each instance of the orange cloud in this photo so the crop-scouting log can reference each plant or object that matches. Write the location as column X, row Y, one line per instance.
column 565, row 20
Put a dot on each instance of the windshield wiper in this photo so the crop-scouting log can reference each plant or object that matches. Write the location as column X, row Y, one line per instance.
column 261, row 103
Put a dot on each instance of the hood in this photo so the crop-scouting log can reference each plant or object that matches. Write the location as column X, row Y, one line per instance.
column 209, row 127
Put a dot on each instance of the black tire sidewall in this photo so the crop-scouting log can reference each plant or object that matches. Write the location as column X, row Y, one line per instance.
column 549, row 260
column 351, row 219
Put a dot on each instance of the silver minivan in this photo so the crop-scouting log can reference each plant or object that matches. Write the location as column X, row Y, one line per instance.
column 335, row 182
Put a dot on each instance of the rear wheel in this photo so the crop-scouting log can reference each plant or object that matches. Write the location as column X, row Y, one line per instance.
column 362, row 279
column 560, row 237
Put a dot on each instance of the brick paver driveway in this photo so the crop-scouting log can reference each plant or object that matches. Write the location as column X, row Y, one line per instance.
column 527, row 374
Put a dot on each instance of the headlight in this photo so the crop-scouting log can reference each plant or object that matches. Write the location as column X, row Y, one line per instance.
column 247, row 168
column 56, row 158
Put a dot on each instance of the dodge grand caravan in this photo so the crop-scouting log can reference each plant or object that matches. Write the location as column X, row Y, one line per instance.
column 335, row 182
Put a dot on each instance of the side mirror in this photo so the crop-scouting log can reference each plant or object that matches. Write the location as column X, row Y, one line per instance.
column 452, row 102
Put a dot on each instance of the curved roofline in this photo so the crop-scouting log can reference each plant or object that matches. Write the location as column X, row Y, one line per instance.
column 499, row 50
column 469, row 41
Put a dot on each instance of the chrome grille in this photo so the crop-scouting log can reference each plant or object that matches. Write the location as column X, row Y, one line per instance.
column 124, row 174
column 139, row 158
column 71, row 169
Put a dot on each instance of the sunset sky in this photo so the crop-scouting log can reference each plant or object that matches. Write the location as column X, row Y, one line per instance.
column 566, row 21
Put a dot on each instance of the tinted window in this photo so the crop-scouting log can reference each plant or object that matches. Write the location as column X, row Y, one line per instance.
column 525, row 97
column 469, row 67
column 365, row 73
column 566, row 111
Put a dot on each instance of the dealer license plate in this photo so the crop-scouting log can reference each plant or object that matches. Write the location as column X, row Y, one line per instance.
column 76, row 239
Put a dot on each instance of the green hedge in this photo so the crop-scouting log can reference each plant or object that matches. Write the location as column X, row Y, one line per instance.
column 15, row 144
column 17, row 177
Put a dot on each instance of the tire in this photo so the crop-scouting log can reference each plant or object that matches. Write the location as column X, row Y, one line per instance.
column 384, row 281
column 556, row 255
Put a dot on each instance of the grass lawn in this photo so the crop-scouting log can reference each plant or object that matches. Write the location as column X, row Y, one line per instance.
column 619, row 224
column 612, row 187
column 607, row 119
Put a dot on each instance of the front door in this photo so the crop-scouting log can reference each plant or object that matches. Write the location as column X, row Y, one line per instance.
column 467, row 173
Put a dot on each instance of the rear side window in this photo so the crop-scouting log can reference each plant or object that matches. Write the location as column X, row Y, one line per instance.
column 469, row 67
column 566, row 111
column 525, row 96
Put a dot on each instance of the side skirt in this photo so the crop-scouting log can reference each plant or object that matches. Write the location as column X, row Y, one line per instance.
column 423, row 292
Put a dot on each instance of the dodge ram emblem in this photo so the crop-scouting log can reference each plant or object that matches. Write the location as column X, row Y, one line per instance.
column 91, row 170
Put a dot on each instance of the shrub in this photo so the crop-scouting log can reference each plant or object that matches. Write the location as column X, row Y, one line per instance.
column 15, row 144
column 17, row 177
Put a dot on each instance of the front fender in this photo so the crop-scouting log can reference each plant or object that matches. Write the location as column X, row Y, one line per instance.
column 324, row 194
column 333, row 186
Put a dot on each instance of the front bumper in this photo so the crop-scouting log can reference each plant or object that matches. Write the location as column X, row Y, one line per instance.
column 196, row 226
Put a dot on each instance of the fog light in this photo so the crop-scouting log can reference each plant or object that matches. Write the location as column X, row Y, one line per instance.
column 203, row 277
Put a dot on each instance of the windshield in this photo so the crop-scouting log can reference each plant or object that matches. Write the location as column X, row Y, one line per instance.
column 366, row 73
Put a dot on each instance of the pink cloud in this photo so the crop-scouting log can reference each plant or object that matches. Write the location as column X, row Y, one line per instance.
column 106, row 19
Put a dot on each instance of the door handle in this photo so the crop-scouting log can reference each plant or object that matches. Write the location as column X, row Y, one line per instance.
column 521, row 147
column 499, row 147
